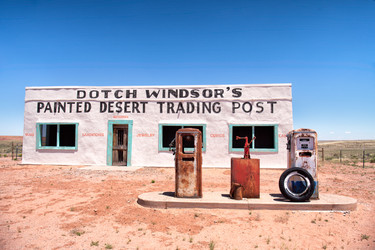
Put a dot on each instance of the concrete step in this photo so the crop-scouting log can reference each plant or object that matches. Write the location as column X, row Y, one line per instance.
column 221, row 200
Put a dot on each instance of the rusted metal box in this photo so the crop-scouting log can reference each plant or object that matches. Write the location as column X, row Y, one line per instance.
column 303, row 153
column 246, row 173
column 188, row 163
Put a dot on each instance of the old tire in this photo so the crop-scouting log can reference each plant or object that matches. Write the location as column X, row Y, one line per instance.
column 305, row 192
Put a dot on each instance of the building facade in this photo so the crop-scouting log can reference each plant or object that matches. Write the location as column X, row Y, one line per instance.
column 134, row 126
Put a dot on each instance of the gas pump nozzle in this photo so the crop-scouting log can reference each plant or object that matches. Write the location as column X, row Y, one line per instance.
column 247, row 146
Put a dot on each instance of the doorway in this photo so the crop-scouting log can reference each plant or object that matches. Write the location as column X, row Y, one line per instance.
column 119, row 143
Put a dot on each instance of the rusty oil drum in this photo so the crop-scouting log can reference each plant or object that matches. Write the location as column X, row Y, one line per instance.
column 246, row 173
column 188, row 163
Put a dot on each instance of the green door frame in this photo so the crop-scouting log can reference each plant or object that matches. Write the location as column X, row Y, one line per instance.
column 110, row 139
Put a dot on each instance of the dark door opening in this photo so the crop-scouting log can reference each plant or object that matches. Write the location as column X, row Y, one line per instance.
column 120, row 145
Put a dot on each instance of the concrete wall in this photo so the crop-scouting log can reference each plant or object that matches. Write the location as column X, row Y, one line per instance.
column 93, row 107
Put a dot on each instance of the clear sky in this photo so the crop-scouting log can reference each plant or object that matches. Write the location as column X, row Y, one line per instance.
column 326, row 49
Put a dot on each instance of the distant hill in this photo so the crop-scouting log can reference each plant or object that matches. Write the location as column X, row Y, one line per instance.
column 11, row 138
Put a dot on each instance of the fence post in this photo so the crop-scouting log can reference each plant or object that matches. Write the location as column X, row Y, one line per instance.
column 363, row 158
column 323, row 154
column 340, row 155
column 12, row 150
column 16, row 151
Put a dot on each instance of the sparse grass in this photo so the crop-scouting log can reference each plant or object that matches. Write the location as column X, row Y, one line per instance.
column 313, row 221
column 212, row 245
column 78, row 232
column 191, row 239
column 268, row 240
column 94, row 243
column 365, row 237
column 152, row 181
column 108, row 246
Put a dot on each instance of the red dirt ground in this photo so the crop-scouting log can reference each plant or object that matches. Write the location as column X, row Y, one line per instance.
column 64, row 207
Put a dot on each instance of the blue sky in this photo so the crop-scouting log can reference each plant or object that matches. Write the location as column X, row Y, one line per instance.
column 326, row 49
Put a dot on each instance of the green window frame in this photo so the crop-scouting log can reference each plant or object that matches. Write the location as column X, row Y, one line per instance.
column 266, row 137
column 57, row 136
column 163, row 144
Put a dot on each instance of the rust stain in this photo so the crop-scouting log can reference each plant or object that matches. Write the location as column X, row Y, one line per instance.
column 188, row 163
column 246, row 173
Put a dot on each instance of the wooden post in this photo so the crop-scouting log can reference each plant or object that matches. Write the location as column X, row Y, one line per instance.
column 363, row 158
column 12, row 151
column 323, row 154
column 340, row 155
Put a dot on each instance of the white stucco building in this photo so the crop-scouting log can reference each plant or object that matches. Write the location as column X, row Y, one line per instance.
column 133, row 126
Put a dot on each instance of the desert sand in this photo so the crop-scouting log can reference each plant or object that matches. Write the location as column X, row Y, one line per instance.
column 66, row 207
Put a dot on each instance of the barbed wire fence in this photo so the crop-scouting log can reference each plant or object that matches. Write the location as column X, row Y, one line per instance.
column 347, row 156
column 11, row 149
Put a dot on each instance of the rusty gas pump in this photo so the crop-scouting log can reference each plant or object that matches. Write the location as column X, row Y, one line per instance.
column 302, row 149
column 245, row 174
column 188, row 163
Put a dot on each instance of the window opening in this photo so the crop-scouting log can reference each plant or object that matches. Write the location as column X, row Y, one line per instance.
column 49, row 135
column 167, row 135
column 67, row 135
column 120, row 138
column 241, row 131
column 188, row 144
column 266, row 137
column 57, row 136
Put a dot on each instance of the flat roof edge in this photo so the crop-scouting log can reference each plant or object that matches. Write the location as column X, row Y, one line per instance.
column 164, row 86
